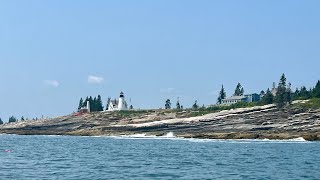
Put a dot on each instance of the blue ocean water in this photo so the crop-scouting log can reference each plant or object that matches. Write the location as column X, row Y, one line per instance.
column 63, row 157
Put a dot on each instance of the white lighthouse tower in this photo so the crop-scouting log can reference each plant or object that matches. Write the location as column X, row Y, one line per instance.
column 122, row 104
column 88, row 106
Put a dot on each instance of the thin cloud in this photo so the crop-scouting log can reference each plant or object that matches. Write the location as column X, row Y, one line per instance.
column 95, row 79
column 52, row 83
column 168, row 90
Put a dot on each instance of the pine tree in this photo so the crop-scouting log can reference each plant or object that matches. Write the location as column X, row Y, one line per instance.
column 12, row 119
column 99, row 103
column 91, row 104
column 168, row 104
column 239, row 91
column 267, row 98
column 22, row 118
column 304, row 93
column 288, row 94
column 222, row 95
column 296, row 94
column 178, row 105
column 80, row 104
column 281, row 97
column 195, row 105
column 94, row 105
column 316, row 90
column 131, row 107
column 1, row 122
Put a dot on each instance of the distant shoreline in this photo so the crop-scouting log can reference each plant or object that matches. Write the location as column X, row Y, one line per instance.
column 258, row 122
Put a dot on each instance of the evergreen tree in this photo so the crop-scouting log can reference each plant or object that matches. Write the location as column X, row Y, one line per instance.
column 1, row 122
column 94, row 105
column 99, row 103
column 316, row 90
column 239, row 91
column 91, row 104
column 267, row 98
column 222, row 95
column 296, row 94
column 131, row 107
column 288, row 94
column 195, row 105
column 281, row 97
column 12, row 119
column 22, row 118
column 178, row 105
column 168, row 104
column 80, row 104
column 262, row 93
column 304, row 93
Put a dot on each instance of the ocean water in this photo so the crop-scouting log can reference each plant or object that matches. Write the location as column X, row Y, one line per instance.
column 139, row 157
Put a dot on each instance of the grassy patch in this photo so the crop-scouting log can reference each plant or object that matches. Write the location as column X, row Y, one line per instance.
column 185, row 113
column 233, row 106
column 133, row 113
column 213, row 109
column 313, row 103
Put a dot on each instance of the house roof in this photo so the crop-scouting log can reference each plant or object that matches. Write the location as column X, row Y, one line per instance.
column 234, row 98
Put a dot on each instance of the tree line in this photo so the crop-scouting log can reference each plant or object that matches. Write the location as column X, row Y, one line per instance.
column 284, row 94
column 96, row 104
column 281, row 95
column 179, row 106
column 239, row 91
column 13, row 119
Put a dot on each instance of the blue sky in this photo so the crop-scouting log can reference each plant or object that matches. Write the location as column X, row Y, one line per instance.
column 152, row 50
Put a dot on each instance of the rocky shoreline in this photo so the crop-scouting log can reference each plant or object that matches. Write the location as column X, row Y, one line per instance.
column 262, row 122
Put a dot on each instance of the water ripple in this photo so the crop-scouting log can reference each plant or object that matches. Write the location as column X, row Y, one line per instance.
column 63, row 157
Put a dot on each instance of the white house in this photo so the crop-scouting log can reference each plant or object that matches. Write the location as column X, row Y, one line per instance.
column 118, row 105
column 246, row 98
column 233, row 100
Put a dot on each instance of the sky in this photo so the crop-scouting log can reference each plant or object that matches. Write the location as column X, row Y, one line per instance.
column 54, row 52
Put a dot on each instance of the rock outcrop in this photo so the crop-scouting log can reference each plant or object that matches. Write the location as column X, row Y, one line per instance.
column 244, row 123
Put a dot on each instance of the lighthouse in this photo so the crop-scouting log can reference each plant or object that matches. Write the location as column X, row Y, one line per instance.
column 117, row 105
column 122, row 105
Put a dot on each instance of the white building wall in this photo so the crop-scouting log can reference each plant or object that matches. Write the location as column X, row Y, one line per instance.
column 121, row 105
column 88, row 106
